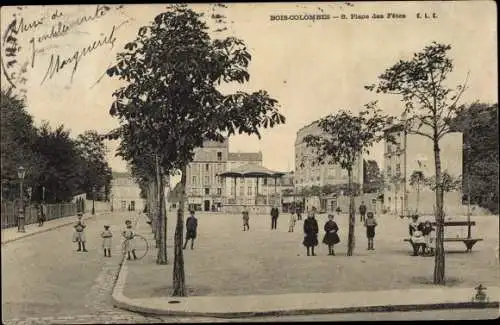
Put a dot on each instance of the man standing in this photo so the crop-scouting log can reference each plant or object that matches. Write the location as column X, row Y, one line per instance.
column 246, row 219
column 362, row 211
column 274, row 217
column 191, row 227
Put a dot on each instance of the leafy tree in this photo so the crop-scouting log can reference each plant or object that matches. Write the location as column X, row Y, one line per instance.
column 372, row 177
column 95, row 169
column 17, row 138
column 449, row 183
column 344, row 138
column 479, row 124
column 429, row 109
column 172, row 105
column 61, row 176
column 417, row 178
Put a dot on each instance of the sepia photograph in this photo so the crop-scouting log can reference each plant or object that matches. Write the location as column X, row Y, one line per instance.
column 249, row 162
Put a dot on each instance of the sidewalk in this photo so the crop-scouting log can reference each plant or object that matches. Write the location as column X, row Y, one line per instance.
column 11, row 234
column 292, row 303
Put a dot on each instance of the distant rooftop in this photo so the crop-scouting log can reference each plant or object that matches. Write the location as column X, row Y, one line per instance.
column 244, row 156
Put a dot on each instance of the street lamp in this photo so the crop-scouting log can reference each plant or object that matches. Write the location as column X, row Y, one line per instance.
column 21, row 172
column 93, row 200
column 111, row 196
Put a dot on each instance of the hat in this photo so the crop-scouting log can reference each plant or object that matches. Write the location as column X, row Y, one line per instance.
column 106, row 226
column 79, row 214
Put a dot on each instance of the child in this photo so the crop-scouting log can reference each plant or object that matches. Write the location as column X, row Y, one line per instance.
column 331, row 237
column 310, row 232
column 428, row 233
column 415, row 230
column 106, row 241
column 293, row 220
column 191, row 227
column 370, row 224
column 129, row 235
column 79, row 234
column 246, row 219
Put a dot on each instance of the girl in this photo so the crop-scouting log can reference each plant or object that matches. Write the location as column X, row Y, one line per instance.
column 129, row 235
column 106, row 241
column 370, row 224
column 415, row 230
column 293, row 220
column 79, row 234
column 331, row 237
column 310, row 232
column 428, row 233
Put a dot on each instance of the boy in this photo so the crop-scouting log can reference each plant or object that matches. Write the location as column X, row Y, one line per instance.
column 370, row 224
column 246, row 219
column 191, row 227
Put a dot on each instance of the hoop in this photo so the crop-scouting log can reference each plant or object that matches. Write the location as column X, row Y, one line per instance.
column 145, row 251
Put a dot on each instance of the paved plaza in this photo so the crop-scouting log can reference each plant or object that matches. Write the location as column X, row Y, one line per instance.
column 45, row 281
column 264, row 261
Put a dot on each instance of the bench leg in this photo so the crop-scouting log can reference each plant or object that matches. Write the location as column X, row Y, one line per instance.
column 469, row 245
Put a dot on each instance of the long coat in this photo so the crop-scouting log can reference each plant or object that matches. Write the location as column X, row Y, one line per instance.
column 311, row 232
column 331, row 237
column 191, row 227
column 275, row 212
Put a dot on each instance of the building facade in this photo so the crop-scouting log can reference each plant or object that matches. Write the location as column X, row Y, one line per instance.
column 125, row 193
column 416, row 153
column 204, row 188
column 309, row 173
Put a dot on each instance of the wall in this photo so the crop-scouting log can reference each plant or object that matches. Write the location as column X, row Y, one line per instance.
column 10, row 213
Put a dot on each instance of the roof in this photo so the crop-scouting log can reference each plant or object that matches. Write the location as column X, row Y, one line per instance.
column 251, row 170
column 244, row 156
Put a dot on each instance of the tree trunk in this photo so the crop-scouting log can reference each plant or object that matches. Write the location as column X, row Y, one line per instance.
column 351, row 239
column 162, row 249
column 179, row 286
column 439, row 260
column 418, row 196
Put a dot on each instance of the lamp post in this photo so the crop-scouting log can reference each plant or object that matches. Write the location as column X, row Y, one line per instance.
column 93, row 200
column 21, row 172
column 111, row 196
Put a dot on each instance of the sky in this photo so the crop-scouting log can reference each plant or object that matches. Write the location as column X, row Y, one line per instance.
column 313, row 68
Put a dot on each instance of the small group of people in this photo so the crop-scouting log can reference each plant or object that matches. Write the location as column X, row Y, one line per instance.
column 422, row 236
column 295, row 214
column 331, row 237
column 128, row 233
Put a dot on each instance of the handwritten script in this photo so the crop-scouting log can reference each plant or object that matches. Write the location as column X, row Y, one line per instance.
column 50, row 27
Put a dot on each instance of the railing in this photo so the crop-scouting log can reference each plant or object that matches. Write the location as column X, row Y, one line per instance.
column 10, row 213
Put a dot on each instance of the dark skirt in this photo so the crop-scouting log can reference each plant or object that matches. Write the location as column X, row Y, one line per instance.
column 310, row 240
column 331, row 238
column 370, row 232
column 191, row 234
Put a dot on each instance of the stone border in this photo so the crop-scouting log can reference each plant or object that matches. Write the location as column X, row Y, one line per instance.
column 136, row 305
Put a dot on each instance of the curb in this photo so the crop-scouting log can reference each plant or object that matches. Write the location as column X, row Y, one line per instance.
column 123, row 302
column 46, row 229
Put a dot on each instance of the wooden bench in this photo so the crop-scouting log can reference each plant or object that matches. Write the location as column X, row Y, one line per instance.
column 469, row 241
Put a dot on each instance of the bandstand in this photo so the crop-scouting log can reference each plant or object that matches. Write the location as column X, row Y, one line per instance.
column 258, row 203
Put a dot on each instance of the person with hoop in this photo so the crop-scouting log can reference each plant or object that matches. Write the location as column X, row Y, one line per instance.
column 129, row 244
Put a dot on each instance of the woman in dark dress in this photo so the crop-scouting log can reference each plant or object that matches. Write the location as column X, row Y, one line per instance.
column 331, row 237
column 310, row 232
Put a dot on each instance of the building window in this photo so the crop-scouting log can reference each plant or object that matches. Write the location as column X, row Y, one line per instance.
column 207, row 191
column 398, row 169
column 207, row 179
column 219, row 191
column 249, row 191
column 242, row 191
column 206, row 167
column 265, row 181
column 317, row 178
column 219, row 156
column 194, row 179
column 389, row 171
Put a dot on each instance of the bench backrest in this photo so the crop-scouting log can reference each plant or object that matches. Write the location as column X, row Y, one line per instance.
column 456, row 223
